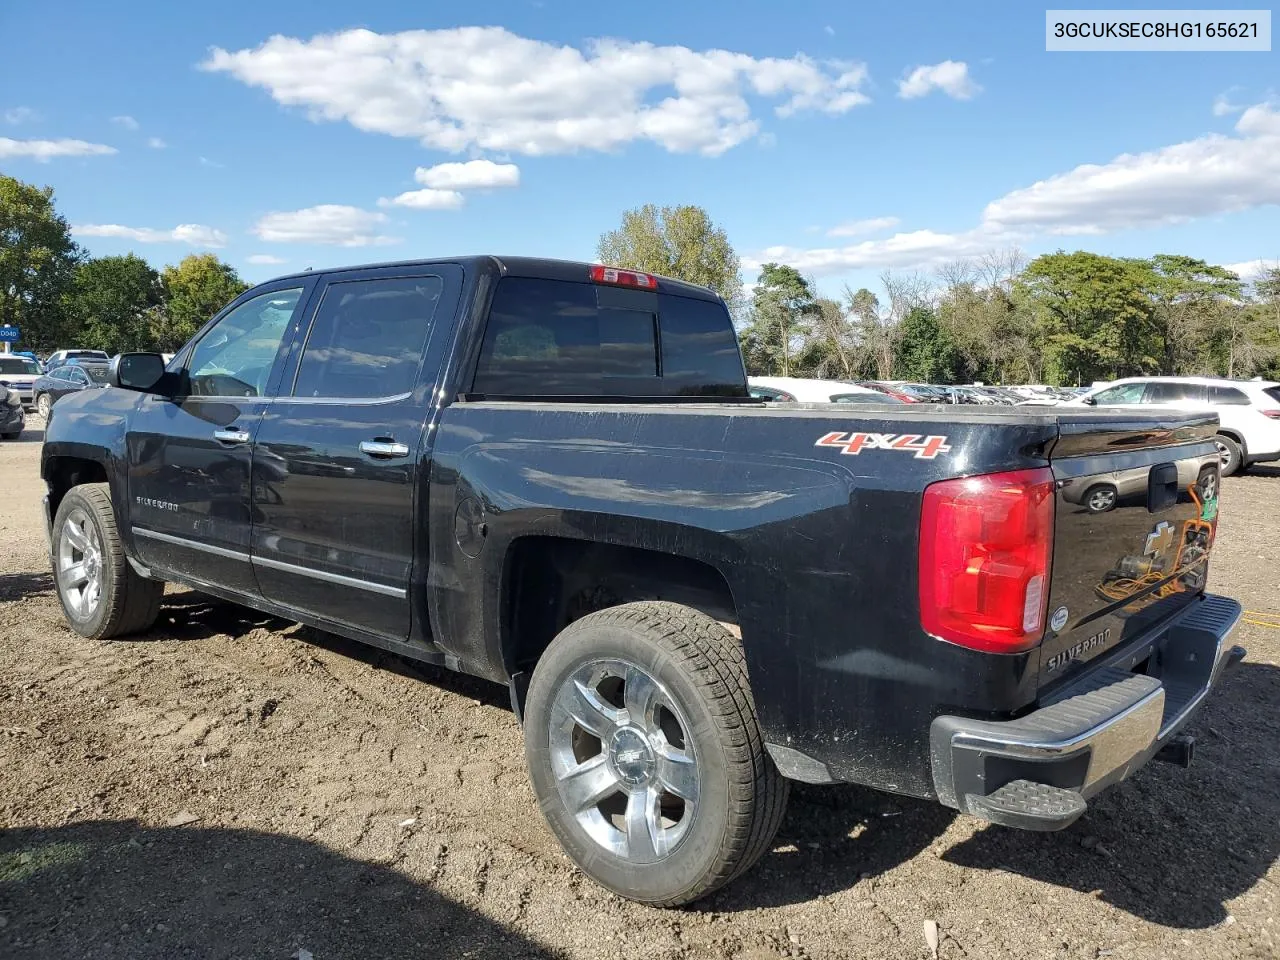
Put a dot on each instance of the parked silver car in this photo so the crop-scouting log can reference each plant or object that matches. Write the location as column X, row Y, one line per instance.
column 1105, row 491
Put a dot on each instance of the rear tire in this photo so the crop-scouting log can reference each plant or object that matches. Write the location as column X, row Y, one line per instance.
column 646, row 755
column 1229, row 453
column 100, row 593
column 44, row 405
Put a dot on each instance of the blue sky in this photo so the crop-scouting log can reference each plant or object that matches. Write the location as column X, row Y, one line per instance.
column 843, row 138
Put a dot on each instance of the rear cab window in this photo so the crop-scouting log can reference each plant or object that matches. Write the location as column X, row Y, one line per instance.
column 548, row 338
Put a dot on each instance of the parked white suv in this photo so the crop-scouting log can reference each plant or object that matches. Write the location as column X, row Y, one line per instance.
column 1248, row 410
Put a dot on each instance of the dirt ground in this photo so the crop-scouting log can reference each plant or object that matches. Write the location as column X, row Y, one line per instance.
column 233, row 785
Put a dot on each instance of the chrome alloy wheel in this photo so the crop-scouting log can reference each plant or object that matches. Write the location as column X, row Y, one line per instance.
column 80, row 565
column 1209, row 486
column 623, row 760
column 1102, row 500
column 1224, row 453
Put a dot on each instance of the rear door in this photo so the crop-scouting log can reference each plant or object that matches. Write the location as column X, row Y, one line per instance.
column 337, row 459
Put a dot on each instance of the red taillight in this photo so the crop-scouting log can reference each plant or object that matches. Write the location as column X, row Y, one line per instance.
column 985, row 544
column 1273, row 414
column 623, row 278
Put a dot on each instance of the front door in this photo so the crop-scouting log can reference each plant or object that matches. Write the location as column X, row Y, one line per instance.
column 189, row 456
column 337, row 456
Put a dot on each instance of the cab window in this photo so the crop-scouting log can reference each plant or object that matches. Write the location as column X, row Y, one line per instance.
column 235, row 356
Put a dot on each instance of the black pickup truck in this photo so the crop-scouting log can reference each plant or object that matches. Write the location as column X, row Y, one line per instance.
column 551, row 475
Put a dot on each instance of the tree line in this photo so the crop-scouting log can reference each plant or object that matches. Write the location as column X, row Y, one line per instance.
column 58, row 296
column 1061, row 318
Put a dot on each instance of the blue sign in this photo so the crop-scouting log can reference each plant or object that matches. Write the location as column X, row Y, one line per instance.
column 8, row 334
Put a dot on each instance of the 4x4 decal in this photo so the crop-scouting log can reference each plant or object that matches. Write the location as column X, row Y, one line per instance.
column 852, row 444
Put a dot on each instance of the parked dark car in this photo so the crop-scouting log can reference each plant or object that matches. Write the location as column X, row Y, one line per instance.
column 12, row 416
column 551, row 475
column 68, row 378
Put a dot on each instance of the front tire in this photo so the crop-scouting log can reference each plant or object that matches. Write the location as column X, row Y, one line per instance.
column 43, row 406
column 1228, row 453
column 646, row 755
column 100, row 593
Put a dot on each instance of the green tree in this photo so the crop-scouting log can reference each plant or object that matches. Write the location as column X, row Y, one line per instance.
column 197, row 288
column 37, row 259
column 680, row 242
column 782, row 310
column 831, row 349
column 109, row 299
column 926, row 351
column 1096, row 314
column 1192, row 299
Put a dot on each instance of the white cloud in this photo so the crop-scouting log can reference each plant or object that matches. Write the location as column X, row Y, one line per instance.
column 472, row 175
column 125, row 121
column 17, row 115
column 1251, row 270
column 195, row 234
column 487, row 88
column 1208, row 176
column 155, row 143
column 949, row 76
column 266, row 259
column 44, row 150
column 425, row 199
column 829, row 30
column 328, row 223
column 1198, row 178
column 1222, row 106
column 206, row 162
column 919, row 248
column 858, row 228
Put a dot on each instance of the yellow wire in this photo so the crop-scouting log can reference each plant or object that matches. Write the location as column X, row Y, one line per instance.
column 1262, row 623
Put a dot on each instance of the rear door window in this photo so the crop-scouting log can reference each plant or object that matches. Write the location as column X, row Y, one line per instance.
column 1228, row 396
column 1164, row 392
column 367, row 338
column 559, row 338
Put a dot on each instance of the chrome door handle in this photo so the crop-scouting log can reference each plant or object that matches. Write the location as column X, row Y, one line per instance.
column 231, row 436
column 384, row 449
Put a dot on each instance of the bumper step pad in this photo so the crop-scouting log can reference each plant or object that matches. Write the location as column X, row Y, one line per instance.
column 1029, row 806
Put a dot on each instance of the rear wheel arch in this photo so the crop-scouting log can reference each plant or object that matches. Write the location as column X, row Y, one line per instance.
column 549, row 582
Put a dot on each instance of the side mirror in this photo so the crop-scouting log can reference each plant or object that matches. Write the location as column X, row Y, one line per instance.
column 1090, row 401
column 136, row 371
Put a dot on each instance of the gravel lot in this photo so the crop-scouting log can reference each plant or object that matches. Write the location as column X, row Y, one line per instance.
column 233, row 785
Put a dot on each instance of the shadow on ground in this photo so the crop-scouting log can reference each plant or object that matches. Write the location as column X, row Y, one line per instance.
column 31, row 434
column 832, row 837
column 117, row 889
column 190, row 615
column 1170, row 845
column 19, row 586
column 196, row 616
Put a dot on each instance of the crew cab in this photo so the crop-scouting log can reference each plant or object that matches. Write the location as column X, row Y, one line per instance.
column 551, row 475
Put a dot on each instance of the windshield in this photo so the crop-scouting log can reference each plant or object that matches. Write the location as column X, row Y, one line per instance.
column 18, row 365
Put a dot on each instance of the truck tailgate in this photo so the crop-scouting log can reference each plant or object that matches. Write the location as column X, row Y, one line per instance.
column 1135, row 516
